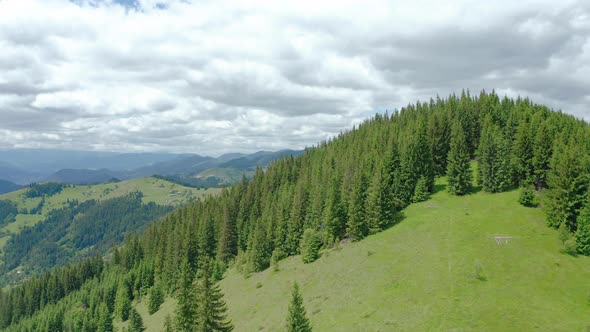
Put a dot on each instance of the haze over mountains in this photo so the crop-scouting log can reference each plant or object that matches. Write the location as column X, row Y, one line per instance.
column 23, row 166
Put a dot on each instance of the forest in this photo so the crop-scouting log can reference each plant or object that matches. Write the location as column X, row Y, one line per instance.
column 348, row 187
column 77, row 231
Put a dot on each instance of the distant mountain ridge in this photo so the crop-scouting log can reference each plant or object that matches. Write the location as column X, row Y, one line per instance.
column 25, row 166
column 7, row 186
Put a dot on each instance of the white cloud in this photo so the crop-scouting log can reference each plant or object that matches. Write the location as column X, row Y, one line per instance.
column 217, row 76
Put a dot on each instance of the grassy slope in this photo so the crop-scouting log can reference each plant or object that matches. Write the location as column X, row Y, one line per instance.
column 419, row 276
column 154, row 190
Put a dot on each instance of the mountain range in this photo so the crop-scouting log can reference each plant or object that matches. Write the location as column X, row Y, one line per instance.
column 24, row 166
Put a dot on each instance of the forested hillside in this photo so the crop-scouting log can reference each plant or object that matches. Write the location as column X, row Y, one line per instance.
column 347, row 188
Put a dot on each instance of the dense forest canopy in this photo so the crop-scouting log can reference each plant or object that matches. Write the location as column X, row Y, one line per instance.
column 348, row 187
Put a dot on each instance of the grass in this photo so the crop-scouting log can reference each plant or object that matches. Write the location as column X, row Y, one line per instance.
column 440, row 269
column 154, row 190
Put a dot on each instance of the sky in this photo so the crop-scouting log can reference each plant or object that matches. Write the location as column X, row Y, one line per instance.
column 212, row 77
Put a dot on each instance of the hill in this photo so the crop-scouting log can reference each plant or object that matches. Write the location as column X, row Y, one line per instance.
column 33, row 212
column 420, row 275
column 7, row 186
column 83, row 176
column 436, row 264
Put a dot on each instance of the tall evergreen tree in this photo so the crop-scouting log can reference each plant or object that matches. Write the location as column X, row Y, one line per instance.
column 568, row 183
column 122, row 301
column 583, row 231
column 297, row 320
column 357, row 222
column 493, row 157
column 135, row 321
column 211, row 309
column 542, row 150
column 458, row 167
column 334, row 213
column 105, row 319
column 185, row 309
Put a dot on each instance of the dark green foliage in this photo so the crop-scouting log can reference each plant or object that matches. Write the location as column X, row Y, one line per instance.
column 82, row 230
column 527, row 197
column 105, row 319
column 459, row 162
column 44, row 189
column 297, row 320
column 123, row 300
column 156, row 298
column 310, row 245
column 135, row 321
column 211, row 309
column 421, row 192
column 357, row 217
column 583, row 231
column 186, row 319
column 493, row 156
column 8, row 212
column 568, row 184
column 349, row 186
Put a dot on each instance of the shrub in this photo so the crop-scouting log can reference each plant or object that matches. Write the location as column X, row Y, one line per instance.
column 527, row 197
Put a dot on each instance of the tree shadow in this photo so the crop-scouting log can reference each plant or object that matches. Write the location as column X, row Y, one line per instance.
column 439, row 187
column 475, row 190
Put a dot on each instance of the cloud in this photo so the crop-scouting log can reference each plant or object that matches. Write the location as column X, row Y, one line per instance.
column 218, row 76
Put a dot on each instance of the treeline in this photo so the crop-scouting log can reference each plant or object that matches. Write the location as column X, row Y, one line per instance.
column 8, row 212
column 359, row 182
column 44, row 189
column 78, row 230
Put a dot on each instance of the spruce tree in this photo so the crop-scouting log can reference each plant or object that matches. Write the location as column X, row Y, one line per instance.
column 334, row 214
column 458, row 167
column 185, row 308
column 156, row 298
column 135, row 321
column 568, row 183
column 357, row 223
column 310, row 246
column 583, row 231
column 421, row 192
column 297, row 320
column 122, row 301
column 542, row 150
column 493, row 157
column 168, row 324
column 105, row 319
column 211, row 309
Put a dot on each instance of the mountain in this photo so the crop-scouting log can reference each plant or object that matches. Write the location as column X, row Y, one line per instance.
column 430, row 248
column 7, row 186
column 81, row 167
column 83, row 176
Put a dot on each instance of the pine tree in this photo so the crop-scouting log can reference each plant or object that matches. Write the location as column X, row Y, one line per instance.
column 156, row 298
column 522, row 154
column 297, row 320
column 568, row 183
column 583, row 231
column 135, row 321
column 542, row 150
column 211, row 309
column 185, row 309
column 494, row 170
column 334, row 214
column 357, row 223
column 105, row 319
column 122, row 301
column 310, row 246
column 458, row 167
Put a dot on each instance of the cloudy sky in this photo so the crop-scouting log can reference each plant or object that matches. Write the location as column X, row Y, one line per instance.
column 212, row 77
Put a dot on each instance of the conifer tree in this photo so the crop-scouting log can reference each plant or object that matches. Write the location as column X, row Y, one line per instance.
column 297, row 320
column 522, row 154
column 185, row 309
column 310, row 246
column 211, row 309
column 568, row 183
column 135, row 321
column 122, row 301
column 357, row 223
column 542, row 150
column 105, row 319
column 583, row 231
column 421, row 191
column 334, row 214
column 494, row 171
column 156, row 298
column 458, row 167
